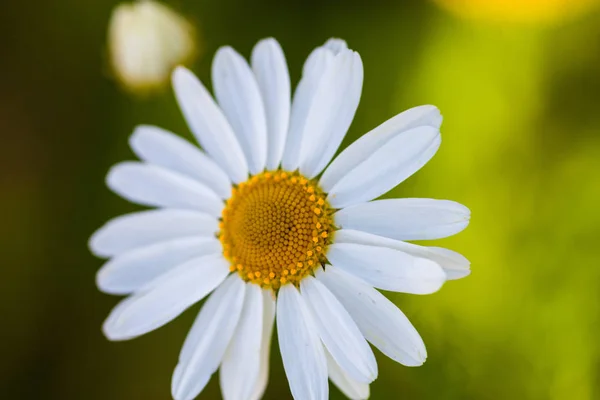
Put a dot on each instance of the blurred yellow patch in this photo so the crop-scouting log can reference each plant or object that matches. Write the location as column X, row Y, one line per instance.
column 146, row 41
column 543, row 11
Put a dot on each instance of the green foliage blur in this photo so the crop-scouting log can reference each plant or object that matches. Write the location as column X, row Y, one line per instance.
column 521, row 148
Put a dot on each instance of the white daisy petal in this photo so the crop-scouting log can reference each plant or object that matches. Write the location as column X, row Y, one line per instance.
column 339, row 333
column 406, row 219
column 208, row 339
column 133, row 270
column 331, row 112
column 139, row 229
column 336, row 45
column 149, row 310
column 387, row 167
column 363, row 148
column 151, row 185
column 270, row 69
column 349, row 387
column 382, row 323
column 454, row 264
column 265, row 346
column 386, row 268
column 314, row 68
column 240, row 366
column 238, row 95
column 158, row 146
column 301, row 350
column 209, row 125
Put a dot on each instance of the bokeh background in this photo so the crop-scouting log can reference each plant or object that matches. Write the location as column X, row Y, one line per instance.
column 519, row 85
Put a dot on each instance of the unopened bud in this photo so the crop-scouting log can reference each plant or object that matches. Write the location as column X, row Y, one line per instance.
column 146, row 41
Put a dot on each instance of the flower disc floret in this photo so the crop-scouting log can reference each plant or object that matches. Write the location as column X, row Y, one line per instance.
column 275, row 228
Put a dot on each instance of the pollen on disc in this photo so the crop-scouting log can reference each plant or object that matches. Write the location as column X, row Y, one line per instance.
column 275, row 227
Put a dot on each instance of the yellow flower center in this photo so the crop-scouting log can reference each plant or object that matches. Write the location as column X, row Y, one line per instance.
column 275, row 228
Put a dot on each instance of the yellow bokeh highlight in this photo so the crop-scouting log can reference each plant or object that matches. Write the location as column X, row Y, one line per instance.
column 543, row 11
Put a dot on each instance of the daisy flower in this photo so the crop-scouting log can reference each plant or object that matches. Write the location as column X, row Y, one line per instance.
column 263, row 224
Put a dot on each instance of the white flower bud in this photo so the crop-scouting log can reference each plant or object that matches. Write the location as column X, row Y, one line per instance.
column 146, row 41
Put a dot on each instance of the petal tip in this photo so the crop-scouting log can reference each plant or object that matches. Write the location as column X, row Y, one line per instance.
column 101, row 279
column 138, row 134
column 110, row 332
column 93, row 245
column 224, row 53
column 269, row 42
column 179, row 73
column 336, row 45
column 112, row 176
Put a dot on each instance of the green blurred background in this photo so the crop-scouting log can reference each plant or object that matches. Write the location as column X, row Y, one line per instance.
column 521, row 100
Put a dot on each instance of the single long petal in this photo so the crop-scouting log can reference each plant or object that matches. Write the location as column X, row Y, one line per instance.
column 265, row 346
column 139, row 229
column 331, row 112
column 208, row 339
column 151, row 185
column 301, row 350
column 382, row 323
column 406, row 219
column 163, row 148
column 273, row 78
column 313, row 71
column 385, row 168
column 240, row 367
column 149, row 310
column 386, row 268
column 351, row 388
column 238, row 95
column 209, row 125
column 369, row 143
column 133, row 270
column 455, row 265
column 339, row 333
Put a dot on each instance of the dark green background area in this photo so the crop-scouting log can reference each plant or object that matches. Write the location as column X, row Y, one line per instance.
column 521, row 148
